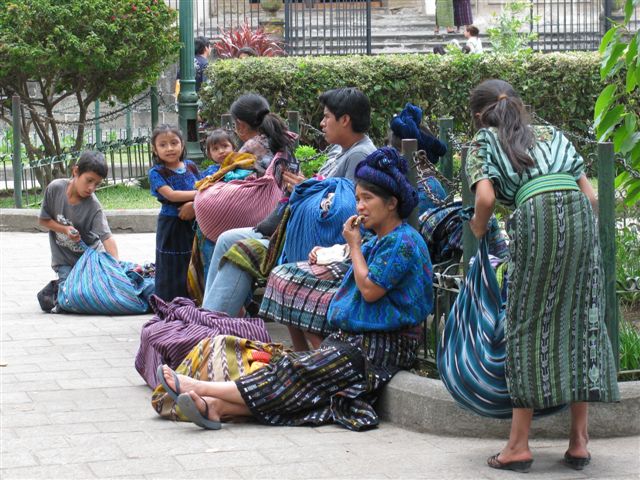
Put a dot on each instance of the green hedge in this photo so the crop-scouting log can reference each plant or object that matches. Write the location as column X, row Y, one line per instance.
column 561, row 88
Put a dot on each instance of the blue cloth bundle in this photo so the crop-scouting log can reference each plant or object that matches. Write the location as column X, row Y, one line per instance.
column 99, row 285
column 407, row 125
column 308, row 225
column 472, row 351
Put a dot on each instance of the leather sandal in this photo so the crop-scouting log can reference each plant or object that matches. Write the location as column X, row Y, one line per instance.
column 577, row 463
column 517, row 466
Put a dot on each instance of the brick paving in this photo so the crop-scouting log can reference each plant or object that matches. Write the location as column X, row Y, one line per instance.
column 73, row 407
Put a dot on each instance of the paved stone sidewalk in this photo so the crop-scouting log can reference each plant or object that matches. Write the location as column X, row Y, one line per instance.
column 73, row 406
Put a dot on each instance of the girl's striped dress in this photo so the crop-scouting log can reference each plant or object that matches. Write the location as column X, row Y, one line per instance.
column 558, row 350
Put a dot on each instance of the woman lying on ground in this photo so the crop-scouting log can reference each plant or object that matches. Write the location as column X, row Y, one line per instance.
column 383, row 299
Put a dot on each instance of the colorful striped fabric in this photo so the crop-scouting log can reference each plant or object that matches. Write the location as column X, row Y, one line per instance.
column 238, row 203
column 99, row 285
column 216, row 359
column 299, row 294
column 337, row 383
column 472, row 351
column 545, row 183
column 178, row 326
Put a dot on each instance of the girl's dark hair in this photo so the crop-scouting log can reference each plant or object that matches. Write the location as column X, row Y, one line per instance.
column 378, row 191
column 166, row 128
column 217, row 136
column 494, row 103
column 254, row 110
column 92, row 161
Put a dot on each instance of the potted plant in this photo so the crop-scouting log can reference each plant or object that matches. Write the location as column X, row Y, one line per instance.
column 271, row 6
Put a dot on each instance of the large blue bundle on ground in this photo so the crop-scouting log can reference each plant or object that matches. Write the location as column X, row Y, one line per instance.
column 100, row 285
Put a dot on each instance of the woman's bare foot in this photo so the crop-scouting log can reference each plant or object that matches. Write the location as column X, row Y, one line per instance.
column 508, row 455
column 578, row 446
column 206, row 406
column 186, row 383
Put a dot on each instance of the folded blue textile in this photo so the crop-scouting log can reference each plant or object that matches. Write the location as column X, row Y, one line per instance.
column 100, row 285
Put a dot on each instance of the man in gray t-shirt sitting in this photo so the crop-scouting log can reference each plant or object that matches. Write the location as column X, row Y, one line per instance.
column 346, row 120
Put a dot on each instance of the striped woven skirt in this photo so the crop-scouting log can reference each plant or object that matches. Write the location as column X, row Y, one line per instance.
column 174, row 240
column 216, row 359
column 299, row 294
column 558, row 350
column 462, row 14
column 337, row 383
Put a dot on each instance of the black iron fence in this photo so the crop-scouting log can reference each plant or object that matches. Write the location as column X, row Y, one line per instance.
column 336, row 27
column 327, row 27
column 309, row 27
column 575, row 24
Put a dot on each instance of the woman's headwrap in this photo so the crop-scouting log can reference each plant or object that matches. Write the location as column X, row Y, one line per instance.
column 388, row 170
column 407, row 125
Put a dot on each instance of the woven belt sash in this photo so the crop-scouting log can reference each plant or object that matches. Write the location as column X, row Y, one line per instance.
column 545, row 183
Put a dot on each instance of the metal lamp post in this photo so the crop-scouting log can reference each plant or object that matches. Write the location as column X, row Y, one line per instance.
column 188, row 98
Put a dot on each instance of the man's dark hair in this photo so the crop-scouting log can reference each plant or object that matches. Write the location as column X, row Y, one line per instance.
column 349, row 101
column 200, row 44
column 473, row 30
column 91, row 161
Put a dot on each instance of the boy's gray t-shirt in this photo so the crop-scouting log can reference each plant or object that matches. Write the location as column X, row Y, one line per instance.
column 87, row 217
column 343, row 163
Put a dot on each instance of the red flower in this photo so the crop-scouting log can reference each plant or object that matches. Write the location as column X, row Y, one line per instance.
column 134, row 8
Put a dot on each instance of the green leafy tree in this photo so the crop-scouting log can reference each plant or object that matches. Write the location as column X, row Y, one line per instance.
column 511, row 31
column 79, row 51
column 616, row 110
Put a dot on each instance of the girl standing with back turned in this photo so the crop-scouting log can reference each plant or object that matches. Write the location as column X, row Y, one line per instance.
column 558, row 350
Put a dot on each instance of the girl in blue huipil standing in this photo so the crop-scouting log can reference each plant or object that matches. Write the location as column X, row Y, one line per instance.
column 172, row 182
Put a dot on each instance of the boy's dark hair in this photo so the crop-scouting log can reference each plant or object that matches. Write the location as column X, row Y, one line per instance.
column 200, row 44
column 248, row 51
column 349, row 101
column 473, row 30
column 439, row 50
column 217, row 136
column 92, row 161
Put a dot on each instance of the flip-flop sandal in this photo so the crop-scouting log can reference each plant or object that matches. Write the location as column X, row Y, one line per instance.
column 519, row 466
column 577, row 463
column 160, row 377
column 188, row 408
